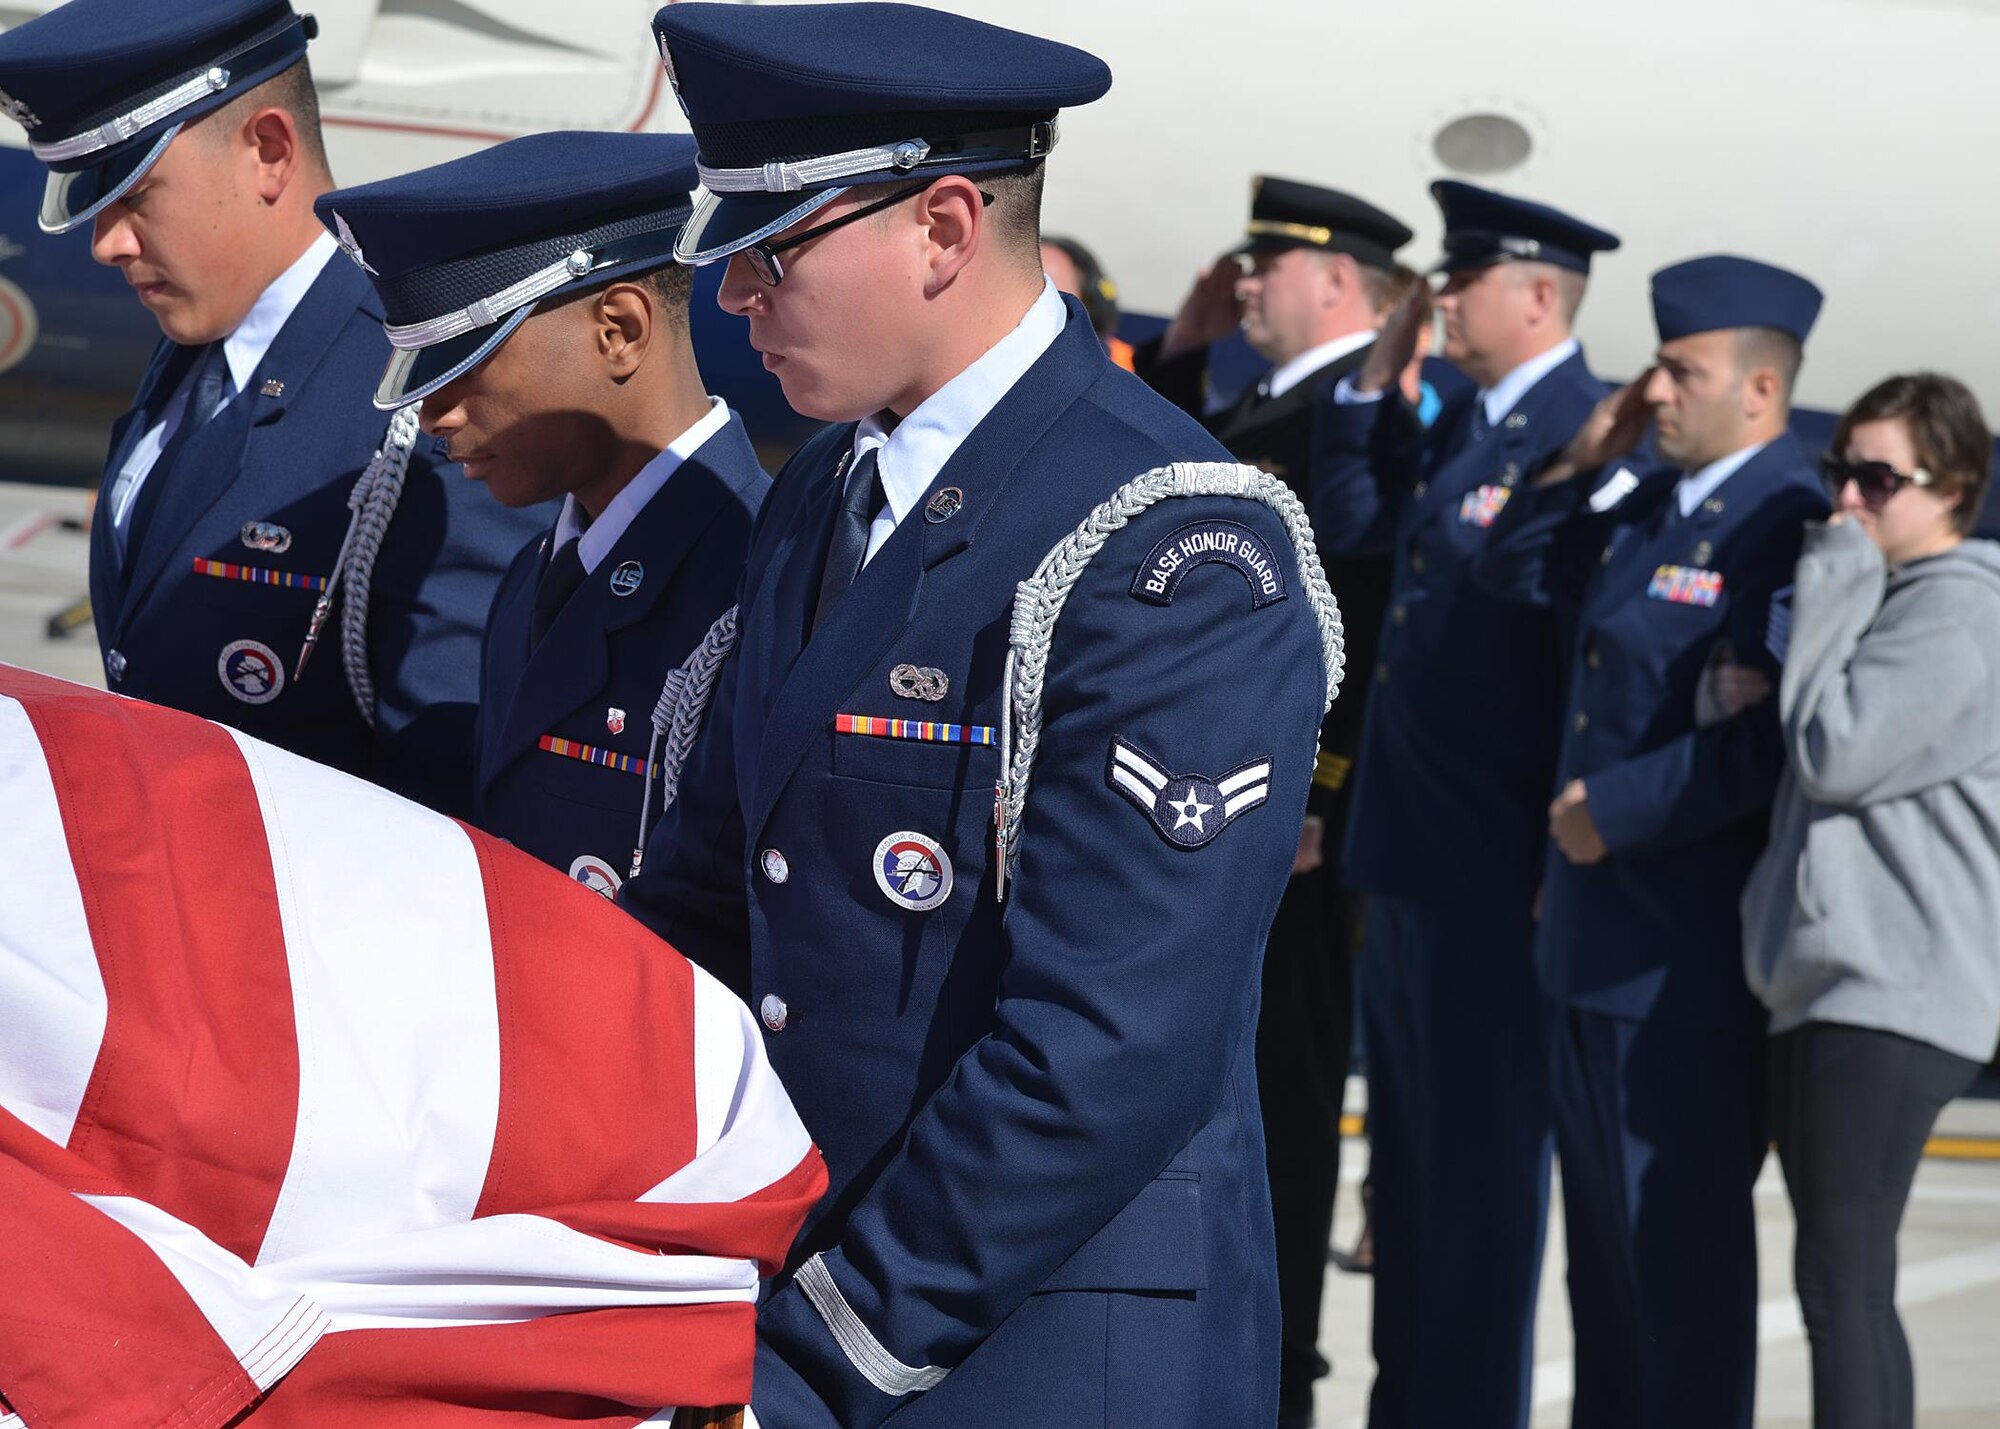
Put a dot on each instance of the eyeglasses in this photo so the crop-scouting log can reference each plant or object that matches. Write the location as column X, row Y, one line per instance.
column 763, row 257
column 1877, row 480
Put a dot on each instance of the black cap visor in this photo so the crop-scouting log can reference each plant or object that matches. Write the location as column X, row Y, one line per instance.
column 74, row 199
column 414, row 373
column 723, row 224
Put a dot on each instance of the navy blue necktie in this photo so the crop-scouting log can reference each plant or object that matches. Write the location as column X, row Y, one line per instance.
column 205, row 394
column 559, row 582
column 848, row 547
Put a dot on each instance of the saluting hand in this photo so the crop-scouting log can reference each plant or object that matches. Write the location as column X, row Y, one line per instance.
column 1614, row 429
column 1396, row 344
column 1574, row 831
column 1210, row 312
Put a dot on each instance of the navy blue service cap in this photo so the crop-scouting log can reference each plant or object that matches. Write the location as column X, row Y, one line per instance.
column 103, row 86
column 1285, row 213
column 1482, row 228
column 1720, row 291
column 461, row 253
column 794, row 104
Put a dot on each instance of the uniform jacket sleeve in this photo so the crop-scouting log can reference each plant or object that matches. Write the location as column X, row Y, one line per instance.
column 1130, row 989
column 442, row 559
column 1703, row 780
column 1365, row 458
column 1881, row 704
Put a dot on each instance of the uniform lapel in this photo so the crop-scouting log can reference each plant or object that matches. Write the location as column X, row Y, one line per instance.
column 110, row 566
column 570, row 667
column 882, row 602
column 240, row 445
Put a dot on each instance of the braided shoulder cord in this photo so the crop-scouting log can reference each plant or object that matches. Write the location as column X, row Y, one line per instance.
column 677, row 718
column 373, row 502
column 1039, row 600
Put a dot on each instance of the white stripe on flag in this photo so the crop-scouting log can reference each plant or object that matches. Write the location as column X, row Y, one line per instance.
column 747, row 1135
column 501, row 1269
column 391, row 963
column 47, row 960
column 267, row 1326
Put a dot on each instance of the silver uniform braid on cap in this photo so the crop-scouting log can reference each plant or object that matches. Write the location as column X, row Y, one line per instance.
column 1039, row 600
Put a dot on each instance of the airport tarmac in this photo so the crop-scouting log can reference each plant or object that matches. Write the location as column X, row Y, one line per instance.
column 1950, row 1283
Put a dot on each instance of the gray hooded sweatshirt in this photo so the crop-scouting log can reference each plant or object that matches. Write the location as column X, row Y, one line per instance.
column 1877, row 903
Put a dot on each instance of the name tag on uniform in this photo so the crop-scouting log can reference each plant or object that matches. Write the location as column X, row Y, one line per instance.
column 1483, row 507
column 1686, row 585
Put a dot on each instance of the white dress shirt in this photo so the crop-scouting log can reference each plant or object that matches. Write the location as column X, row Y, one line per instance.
column 1502, row 397
column 1696, row 487
column 910, row 457
column 243, row 350
column 595, row 539
column 1285, row 377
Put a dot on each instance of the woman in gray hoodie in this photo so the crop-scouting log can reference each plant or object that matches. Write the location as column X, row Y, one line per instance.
column 1870, row 923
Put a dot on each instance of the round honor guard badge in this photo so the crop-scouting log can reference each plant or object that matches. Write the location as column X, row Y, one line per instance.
column 914, row 871
column 265, row 536
column 250, row 671
column 595, row 874
column 943, row 505
column 627, row 578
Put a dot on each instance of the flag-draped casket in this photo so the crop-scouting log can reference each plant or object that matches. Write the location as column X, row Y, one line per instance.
column 318, row 1105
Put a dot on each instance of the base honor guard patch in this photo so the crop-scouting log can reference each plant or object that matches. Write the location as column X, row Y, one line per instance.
column 1187, row 810
column 1482, row 507
column 1203, row 543
column 1686, row 585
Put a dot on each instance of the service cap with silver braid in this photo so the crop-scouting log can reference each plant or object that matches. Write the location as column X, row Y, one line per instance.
column 462, row 253
column 1039, row 601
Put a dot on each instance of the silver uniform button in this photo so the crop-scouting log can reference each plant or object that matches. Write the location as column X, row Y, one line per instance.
column 114, row 664
column 774, row 865
column 774, row 1012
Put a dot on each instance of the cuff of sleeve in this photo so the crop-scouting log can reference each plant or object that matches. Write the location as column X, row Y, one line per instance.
column 1840, row 552
column 1344, row 394
column 1620, row 817
column 832, row 1352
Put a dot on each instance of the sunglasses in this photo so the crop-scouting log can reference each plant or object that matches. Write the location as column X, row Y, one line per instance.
column 1876, row 480
column 763, row 257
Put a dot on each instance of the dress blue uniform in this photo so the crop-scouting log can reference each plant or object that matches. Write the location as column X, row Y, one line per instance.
column 1039, row 1113
column 1657, row 1043
column 1304, row 1037
column 204, row 599
column 1445, row 836
column 566, row 741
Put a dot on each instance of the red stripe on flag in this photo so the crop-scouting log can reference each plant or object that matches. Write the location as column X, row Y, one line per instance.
column 609, row 1368
column 758, row 1227
column 596, row 1043
column 75, row 1355
column 194, row 1096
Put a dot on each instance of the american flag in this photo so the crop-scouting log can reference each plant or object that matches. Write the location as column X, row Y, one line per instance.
column 316, row 1104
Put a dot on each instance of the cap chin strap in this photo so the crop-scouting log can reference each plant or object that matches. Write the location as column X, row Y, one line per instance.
column 213, row 79
column 1032, row 141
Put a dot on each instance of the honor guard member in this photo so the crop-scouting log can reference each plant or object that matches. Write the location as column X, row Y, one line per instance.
column 1032, row 1074
column 1661, row 814
column 1307, row 288
column 252, row 484
column 1449, row 816
column 541, row 322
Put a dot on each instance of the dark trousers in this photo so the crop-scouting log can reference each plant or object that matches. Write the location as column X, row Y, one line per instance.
column 1305, row 1034
column 1659, row 1128
column 1458, row 1121
column 1852, row 1108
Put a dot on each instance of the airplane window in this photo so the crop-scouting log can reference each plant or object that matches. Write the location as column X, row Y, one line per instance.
column 1482, row 144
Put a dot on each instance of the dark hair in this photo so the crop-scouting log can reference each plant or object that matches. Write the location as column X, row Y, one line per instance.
column 1768, row 347
column 292, row 91
column 1017, row 211
column 673, row 285
column 1946, row 427
column 1100, row 295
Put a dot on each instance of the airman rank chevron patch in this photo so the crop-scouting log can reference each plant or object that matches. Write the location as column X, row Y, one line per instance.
column 1187, row 810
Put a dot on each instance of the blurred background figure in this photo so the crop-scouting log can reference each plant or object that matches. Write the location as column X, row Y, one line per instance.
column 1448, row 825
column 1075, row 270
column 1869, row 922
column 1306, row 288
